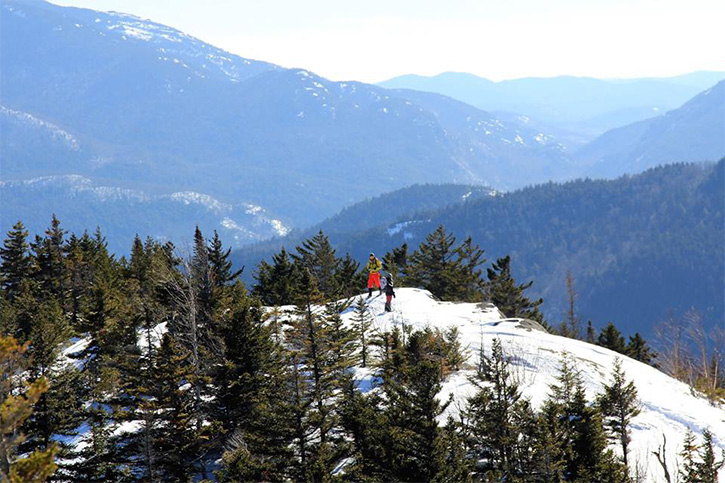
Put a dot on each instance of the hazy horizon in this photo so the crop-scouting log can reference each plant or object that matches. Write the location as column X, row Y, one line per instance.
column 378, row 41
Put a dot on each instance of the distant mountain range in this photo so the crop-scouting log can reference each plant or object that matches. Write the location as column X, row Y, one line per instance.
column 638, row 247
column 109, row 103
column 693, row 132
column 573, row 108
column 132, row 104
column 80, row 204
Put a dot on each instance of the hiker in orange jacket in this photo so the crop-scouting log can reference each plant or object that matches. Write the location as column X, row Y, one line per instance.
column 373, row 267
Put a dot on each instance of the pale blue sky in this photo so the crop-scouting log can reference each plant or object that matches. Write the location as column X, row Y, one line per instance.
column 373, row 40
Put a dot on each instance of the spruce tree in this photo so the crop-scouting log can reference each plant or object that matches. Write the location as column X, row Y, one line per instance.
column 709, row 466
column 222, row 272
column 619, row 405
column 316, row 370
column 361, row 324
column 317, row 255
column 638, row 349
column 395, row 262
column 582, row 441
column 252, row 396
column 498, row 419
column 276, row 283
column 611, row 338
column 503, row 292
column 430, row 265
column 17, row 398
column 591, row 333
column 17, row 263
column 447, row 271
column 51, row 272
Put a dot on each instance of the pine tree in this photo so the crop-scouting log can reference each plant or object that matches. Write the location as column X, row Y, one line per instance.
column 17, row 262
column 571, row 327
column 429, row 266
column 708, row 467
column 688, row 466
column 591, row 333
column 498, row 419
column 503, row 292
column 395, row 262
column 349, row 277
column 366, row 426
column 612, row 339
column 17, row 398
column 639, row 350
column 51, row 273
column 317, row 255
column 447, row 271
column 619, row 405
column 222, row 272
column 316, row 370
column 361, row 323
column 254, row 409
column 582, row 445
column 179, row 441
column 276, row 283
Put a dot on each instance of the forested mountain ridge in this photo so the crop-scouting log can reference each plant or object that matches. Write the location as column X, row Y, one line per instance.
column 638, row 247
column 693, row 132
column 163, row 366
column 147, row 107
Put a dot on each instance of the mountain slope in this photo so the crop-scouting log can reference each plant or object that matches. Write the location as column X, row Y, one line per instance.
column 638, row 247
column 693, row 132
column 668, row 406
column 154, row 109
column 585, row 106
column 86, row 205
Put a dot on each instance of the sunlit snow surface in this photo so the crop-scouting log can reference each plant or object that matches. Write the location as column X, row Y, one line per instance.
column 668, row 406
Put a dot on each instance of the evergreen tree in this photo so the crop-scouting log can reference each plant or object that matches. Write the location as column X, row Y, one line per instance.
column 222, row 272
column 179, row 440
column 572, row 321
column 415, row 447
column 361, row 323
column 51, row 273
column 619, row 405
column 395, row 262
column 639, row 350
column 688, row 467
column 611, row 338
column 591, row 333
column 708, row 467
column 349, row 277
column 254, row 409
column 447, row 271
column 17, row 263
column 503, row 292
column 581, row 438
column 317, row 255
column 366, row 426
column 499, row 420
column 276, row 283
column 17, row 398
column 316, row 371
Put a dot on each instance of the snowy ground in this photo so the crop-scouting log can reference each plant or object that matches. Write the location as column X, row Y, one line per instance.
column 668, row 406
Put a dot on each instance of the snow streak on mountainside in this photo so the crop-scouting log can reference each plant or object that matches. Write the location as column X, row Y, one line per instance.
column 157, row 107
column 123, row 212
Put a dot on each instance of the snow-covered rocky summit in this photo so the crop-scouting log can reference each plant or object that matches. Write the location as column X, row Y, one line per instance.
column 668, row 407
